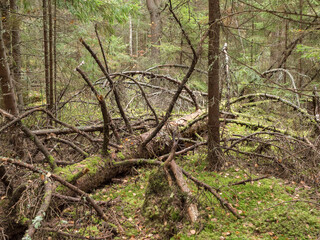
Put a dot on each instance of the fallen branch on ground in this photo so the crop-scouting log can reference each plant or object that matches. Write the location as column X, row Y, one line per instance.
column 36, row 222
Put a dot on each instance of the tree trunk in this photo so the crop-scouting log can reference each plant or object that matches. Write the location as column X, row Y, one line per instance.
column 9, row 101
column 130, row 37
column 51, row 60
column 16, row 53
column 214, row 160
column 46, row 50
column 154, row 11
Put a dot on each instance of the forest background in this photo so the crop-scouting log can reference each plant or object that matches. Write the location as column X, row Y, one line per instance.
column 159, row 119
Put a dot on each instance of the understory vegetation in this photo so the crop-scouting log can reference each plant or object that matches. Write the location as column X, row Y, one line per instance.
column 107, row 128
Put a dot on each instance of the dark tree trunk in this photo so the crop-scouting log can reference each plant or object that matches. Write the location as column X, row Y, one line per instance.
column 156, row 28
column 5, row 78
column 214, row 159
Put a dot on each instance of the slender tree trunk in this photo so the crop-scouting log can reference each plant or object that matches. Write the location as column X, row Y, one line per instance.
column 51, row 60
column 286, row 32
column 16, row 52
column 156, row 28
column 300, row 83
column 6, row 27
column 130, row 37
column 214, row 159
column 6, row 83
column 46, row 50
column 55, row 55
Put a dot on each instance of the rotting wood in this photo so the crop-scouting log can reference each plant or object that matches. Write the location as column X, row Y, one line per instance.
column 36, row 222
column 59, row 179
column 181, row 182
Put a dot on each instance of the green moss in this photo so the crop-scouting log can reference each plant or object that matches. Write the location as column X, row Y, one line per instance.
column 24, row 220
column 121, row 156
column 270, row 209
column 92, row 163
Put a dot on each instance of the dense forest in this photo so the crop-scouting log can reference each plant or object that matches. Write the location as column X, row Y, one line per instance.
column 159, row 119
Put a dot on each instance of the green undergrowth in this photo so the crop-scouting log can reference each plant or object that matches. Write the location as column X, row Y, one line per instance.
column 272, row 208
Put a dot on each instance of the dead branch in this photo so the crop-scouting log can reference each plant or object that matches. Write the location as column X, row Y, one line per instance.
column 279, row 99
column 101, row 48
column 5, row 180
column 145, row 97
column 192, row 208
column 72, row 128
column 18, row 118
column 78, row 199
column 112, row 86
column 36, row 222
column 73, row 188
column 164, row 90
column 185, row 150
column 223, row 202
column 50, row 159
column 60, row 131
column 176, row 66
column 152, row 75
column 196, row 55
column 248, row 180
column 71, row 144
column 105, row 114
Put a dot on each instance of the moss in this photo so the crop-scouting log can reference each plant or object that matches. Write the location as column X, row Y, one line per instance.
column 24, row 220
column 92, row 163
column 163, row 204
column 121, row 156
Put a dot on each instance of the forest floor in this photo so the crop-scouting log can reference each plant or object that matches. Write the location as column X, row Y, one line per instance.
column 272, row 208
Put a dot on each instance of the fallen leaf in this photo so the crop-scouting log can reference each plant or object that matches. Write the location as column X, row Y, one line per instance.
column 226, row 233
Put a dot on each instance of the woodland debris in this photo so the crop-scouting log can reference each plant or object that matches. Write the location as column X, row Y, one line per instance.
column 36, row 222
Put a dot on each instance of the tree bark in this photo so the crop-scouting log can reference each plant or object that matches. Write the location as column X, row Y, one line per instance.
column 16, row 53
column 156, row 27
column 51, row 60
column 46, row 50
column 8, row 95
column 214, row 160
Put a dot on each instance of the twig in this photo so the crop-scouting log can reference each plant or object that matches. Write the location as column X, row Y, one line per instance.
column 248, row 180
